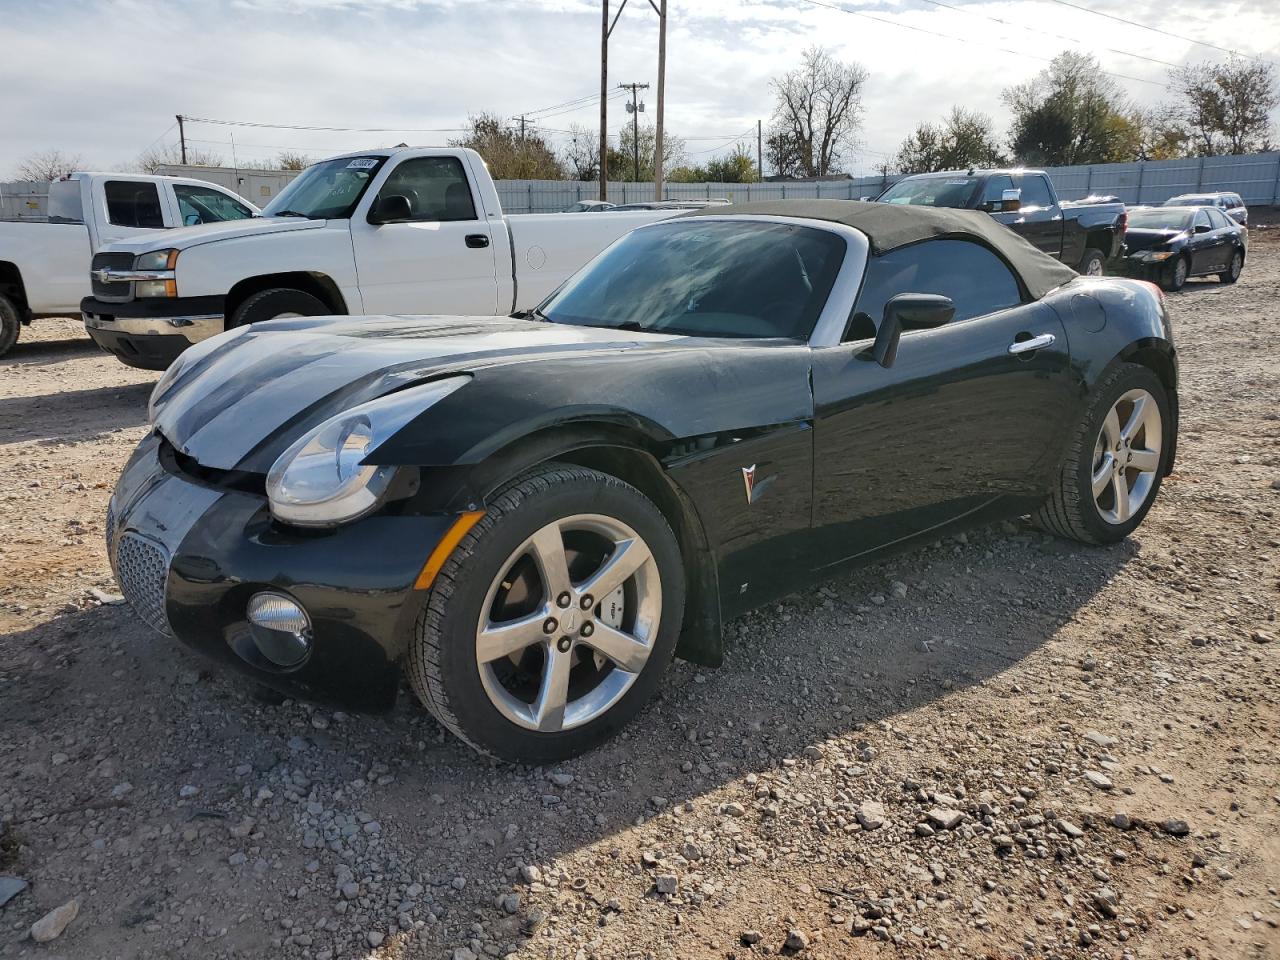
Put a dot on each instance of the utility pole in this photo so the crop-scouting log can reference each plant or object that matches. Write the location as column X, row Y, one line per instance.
column 182, row 138
column 634, row 109
column 662, row 87
column 523, row 152
column 760, row 148
column 606, row 29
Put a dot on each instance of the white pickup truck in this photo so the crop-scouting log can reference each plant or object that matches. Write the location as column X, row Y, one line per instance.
column 399, row 231
column 44, row 264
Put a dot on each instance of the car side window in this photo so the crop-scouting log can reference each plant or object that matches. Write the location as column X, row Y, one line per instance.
column 1036, row 192
column 436, row 188
column 977, row 281
column 1218, row 219
column 203, row 205
column 134, row 204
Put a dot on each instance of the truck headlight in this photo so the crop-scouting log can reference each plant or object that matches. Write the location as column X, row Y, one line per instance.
column 156, row 260
column 322, row 479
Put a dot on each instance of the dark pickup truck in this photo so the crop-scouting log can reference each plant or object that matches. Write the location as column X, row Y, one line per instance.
column 1083, row 235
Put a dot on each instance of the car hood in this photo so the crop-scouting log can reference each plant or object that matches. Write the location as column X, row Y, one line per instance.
column 181, row 238
column 236, row 401
column 1148, row 237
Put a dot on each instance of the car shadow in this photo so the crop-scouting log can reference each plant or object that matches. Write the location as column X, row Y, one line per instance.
column 845, row 657
column 70, row 415
column 42, row 352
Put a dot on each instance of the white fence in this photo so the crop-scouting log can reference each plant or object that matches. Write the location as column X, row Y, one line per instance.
column 1256, row 177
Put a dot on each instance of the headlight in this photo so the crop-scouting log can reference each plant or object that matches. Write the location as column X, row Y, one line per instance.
column 1155, row 256
column 162, row 387
column 156, row 260
column 322, row 480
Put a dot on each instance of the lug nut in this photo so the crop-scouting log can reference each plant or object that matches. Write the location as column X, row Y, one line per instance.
column 564, row 599
column 549, row 625
column 587, row 602
column 563, row 644
column 588, row 629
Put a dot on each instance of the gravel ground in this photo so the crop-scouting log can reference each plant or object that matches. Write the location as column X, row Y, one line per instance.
column 999, row 745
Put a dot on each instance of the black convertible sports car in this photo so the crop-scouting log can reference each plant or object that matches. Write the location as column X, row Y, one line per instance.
column 530, row 516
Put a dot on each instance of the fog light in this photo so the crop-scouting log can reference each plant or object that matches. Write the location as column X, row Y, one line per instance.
column 282, row 629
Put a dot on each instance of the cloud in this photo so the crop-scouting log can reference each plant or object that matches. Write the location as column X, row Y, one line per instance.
column 104, row 78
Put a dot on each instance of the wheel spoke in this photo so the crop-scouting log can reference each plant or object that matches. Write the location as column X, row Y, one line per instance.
column 1111, row 429
column 499, row 640
column 1122, row 497
column 1144, row 460
column 1102, row 476
column 548, row 551
column 553, row 694
column 628, row 557
column 1137, row 419
column 622, row 648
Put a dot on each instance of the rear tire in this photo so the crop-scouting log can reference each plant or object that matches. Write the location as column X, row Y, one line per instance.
column 10, row 325
column 276, row 303
column 1091, row 264
column 1232, row 273
column 1098, row 451
column 500, row 623
column 1175, row 274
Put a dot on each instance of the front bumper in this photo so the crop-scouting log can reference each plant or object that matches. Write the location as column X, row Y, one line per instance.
column 189, row 555
column 150, row 333
column 1131, row 266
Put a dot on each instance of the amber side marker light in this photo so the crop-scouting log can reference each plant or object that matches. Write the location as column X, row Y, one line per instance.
column 461, row 527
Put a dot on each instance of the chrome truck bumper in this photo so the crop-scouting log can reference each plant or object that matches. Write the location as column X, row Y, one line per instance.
column 151, row 333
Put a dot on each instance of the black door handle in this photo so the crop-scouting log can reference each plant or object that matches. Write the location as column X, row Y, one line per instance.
column 477, row 241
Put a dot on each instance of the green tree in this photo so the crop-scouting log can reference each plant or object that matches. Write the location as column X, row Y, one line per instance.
column 738, row 166
column 963, row 139
column 686, row 174
column 508, row 154
column 622, row 164
column 1067, row 114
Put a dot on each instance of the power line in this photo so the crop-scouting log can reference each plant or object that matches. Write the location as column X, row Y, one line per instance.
column 953, row 37
column 293, row 126
column 1165, row 33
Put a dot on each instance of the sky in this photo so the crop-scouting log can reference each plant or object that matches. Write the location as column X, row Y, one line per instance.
column 103, row 79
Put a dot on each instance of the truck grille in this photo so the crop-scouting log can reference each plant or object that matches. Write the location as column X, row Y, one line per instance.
column 142, row 567
column 114, row 292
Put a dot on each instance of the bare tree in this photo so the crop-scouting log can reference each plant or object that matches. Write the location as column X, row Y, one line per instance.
column 170, row 155
column 581, row 157
column 292, row 160
column 1227, row 106
column 816, row 115
column 622, row 161
column 48, row 165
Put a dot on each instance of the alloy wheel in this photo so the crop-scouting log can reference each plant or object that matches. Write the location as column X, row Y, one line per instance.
column 1094, row 269
column 1180, row 272
column 1126, row 456
column 568, row 623
column 1237, row 264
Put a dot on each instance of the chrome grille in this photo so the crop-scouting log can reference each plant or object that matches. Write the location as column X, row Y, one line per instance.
column 115, row 292
column 142, row 566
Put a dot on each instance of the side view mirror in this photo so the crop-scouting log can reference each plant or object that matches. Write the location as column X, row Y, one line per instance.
column 1202, row 228
column 909, row 311
column 192, row 220
column 389, row 209
column 1010, row 202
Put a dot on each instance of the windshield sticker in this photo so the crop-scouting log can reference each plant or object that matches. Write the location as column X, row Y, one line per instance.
column 958, row 183
column 363, row 163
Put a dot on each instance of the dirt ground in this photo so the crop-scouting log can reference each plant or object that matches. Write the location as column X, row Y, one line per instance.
column 999, row 745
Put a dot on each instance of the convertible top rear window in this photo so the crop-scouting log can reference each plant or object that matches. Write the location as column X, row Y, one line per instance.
column 707, row 278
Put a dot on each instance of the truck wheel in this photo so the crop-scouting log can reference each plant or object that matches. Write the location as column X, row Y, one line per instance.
column 1232, row 273
column 1092, row 262
column 1115, row 463
column 1175, row 274
column 278, row 303
column 551, row 623
column 9, row 325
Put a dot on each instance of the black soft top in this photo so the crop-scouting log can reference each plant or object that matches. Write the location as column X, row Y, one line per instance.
column 889, row 226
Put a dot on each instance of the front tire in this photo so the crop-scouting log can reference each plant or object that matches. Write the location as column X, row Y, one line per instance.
column 1232, row 273
column 1175, row 275
column 551, row 624
column 1115, row 462
column 1091, row 264
column 10, row 325
column 278, row 303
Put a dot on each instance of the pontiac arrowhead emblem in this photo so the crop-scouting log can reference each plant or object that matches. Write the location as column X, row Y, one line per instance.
column 749, row 481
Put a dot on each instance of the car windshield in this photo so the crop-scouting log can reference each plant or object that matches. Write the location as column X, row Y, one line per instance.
column 328, row 190
column 1193, row 201
column 706, row 278
column 932, row 191
column 1155, row 218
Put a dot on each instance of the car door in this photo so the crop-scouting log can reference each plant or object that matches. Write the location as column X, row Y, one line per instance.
column 437, row 258
column 128, row 207
column 1224, row 231
column 955, row 423
column 1040, row 218
column 1205, row 245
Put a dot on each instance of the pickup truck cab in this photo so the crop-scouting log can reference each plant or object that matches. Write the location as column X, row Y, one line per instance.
column 395, row 231
column 44, row 264
column 1082, row 235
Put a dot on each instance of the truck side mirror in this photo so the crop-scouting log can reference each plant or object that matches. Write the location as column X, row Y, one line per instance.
column 389, row 209
column 909, row 311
